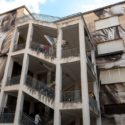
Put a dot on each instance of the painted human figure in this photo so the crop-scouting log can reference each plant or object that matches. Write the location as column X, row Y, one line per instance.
column 7, row 22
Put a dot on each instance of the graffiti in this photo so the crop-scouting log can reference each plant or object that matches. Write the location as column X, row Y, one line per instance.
column 117, row 10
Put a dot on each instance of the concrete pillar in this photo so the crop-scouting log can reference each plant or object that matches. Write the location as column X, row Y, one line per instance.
column 24, row 69
column 14, row 40
column 96, row 89
column 96, row 92
column 20, row 98
column 7, row 72
column 58, row 81
column 4, row 101
column 84, row 79
column 19, row 108
column 29, row 35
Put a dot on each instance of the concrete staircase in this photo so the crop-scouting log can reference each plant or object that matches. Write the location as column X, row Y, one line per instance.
column 39, row 91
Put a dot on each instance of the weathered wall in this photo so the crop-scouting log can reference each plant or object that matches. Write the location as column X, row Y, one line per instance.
column 110, row 94
column 7, row 25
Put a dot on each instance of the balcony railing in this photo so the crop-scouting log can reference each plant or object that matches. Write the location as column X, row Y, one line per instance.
column 40, row 87
column 93, row 104
column 13, row 80
column 26, row 120
column 71, row 96
column 47, row 51
column 19, row 47
column 7, row 117
column 73, row 52
column 46, row 18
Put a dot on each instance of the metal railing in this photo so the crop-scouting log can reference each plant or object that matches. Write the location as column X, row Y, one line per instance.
column 93, row 104
column 19, row 46
column 51, row 52
column 46, row 18
column 26, row 120
column 90, row 65
column 39, row 86
column 71, row 96
column 13, row 80
column 73, row 52
column 7, row 117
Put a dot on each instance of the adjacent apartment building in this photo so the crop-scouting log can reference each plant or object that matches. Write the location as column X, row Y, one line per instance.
column 68, row 70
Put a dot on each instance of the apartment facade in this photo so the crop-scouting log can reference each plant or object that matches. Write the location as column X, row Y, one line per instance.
column 65, row 69
column 107, row 28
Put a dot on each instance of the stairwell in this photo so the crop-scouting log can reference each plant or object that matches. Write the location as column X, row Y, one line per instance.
column 39, row 91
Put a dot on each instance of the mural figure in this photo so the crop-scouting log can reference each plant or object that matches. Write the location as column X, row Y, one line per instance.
column 110, row 94
column 7, row 23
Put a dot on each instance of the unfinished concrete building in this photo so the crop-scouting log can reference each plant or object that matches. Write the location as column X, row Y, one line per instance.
column 58, row 67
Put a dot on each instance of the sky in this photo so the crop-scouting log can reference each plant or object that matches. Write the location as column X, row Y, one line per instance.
column 58, row 8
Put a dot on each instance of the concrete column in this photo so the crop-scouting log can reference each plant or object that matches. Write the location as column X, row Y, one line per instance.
column 24, row 69
column 58, row 81
column 7, row 72
column 29, row 35
column 14, row 40
column 96, row 89
column 4, row 101
column 93, row 59
column 19, row 108
column 20, row 98
column 84, row 79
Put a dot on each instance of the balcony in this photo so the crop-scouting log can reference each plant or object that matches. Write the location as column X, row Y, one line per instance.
column 73, row 52
column 13, row 80
column 71, row 96
column 7, row 118
column 18, row 47
column 26, row 120
column 47, row 51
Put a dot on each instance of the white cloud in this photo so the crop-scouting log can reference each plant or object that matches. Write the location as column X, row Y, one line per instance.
column 74, row 6
column 81, row 7
column 33, row 5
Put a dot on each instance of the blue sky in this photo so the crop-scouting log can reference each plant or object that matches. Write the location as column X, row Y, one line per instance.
column 55, row 7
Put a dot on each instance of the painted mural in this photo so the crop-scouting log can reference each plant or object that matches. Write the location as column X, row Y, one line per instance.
column 7, row 23
column 110, row 94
